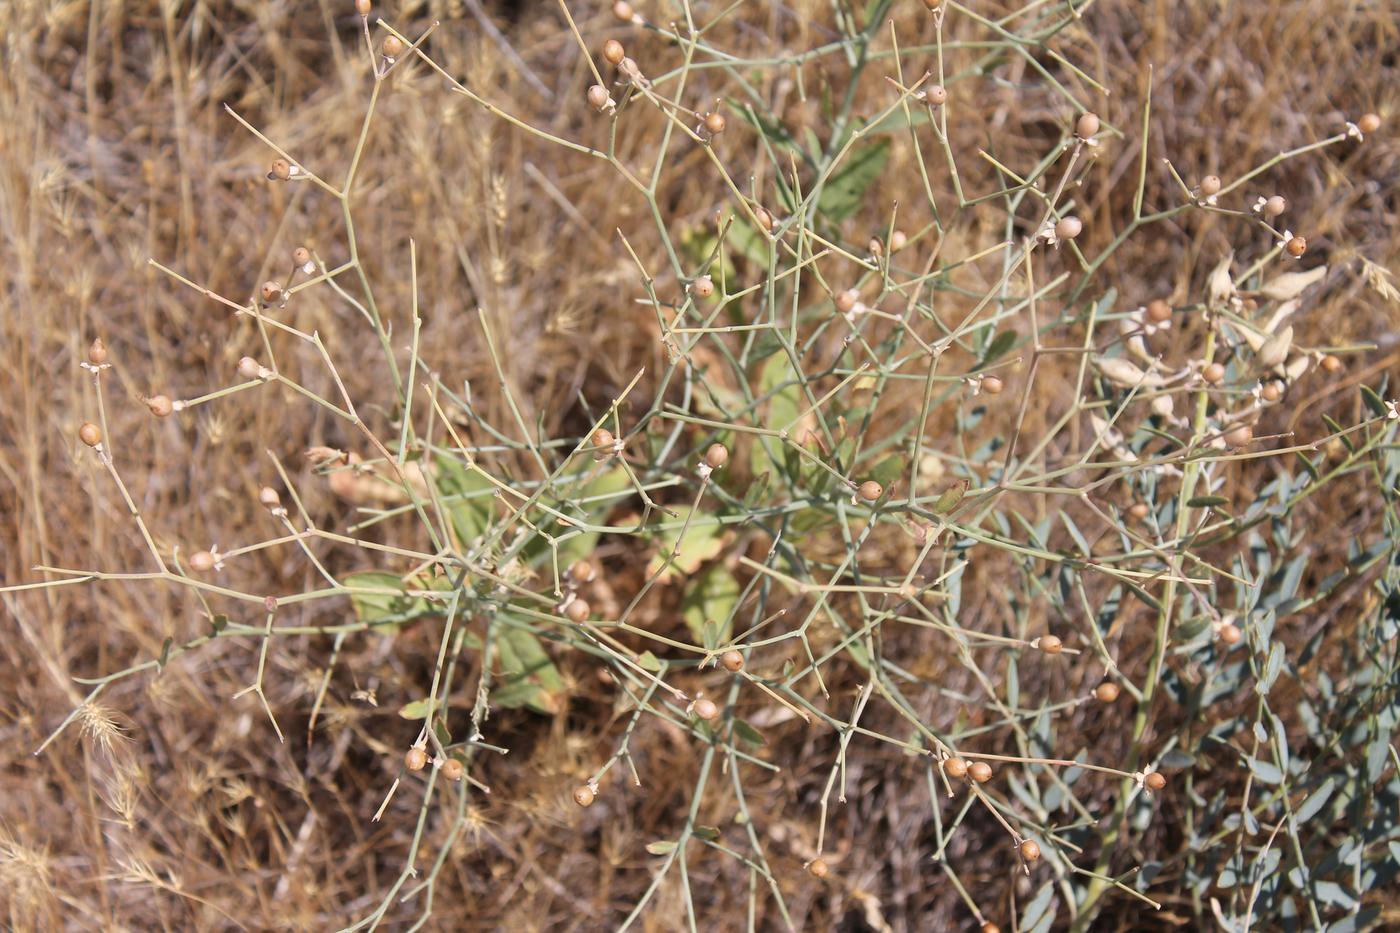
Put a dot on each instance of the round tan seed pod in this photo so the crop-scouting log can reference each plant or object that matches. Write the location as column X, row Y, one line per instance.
column 1155, row 780
column 623, row 12
column 875, row 247
column 717, row 456
column 416, row 758
column 577, row 611
column 583, row 795
column 765, row 219
column 1158, row 311
column 1274, row 206
column 97, row 352
column 249, row 368
column 818, row 868
column 1139, row 510
column 1230, row 633
column 597, row 97
column 1239, row 436
column 281, row 170
column 1296, row 246
column 269, row 498
column 301, row 255
column 992, row 385
column 936, row 94
column 955, row 768
column 1369, row 123
column 363, row 7
column 706, row 709
column 202, row 561
column 452, row 769
column 613, row 52
column 270, row 290
column 1331, row 363
column 846, row 301
column 1272, row 391
column 1213, row 373
column 715, row 123
column 732, row 660
column 898, row 240
column 603, row 438
column 1051, row 644
column 703, row 287
column 1106, row 692
column 1087, row 126
column 90, row 434
column 1069, row 227
column 393, row 46
column 1030, row 850
column 870, row 491
column 581, row 571
column 1210, row 185
column 980, row 771
column 160, row 405
column 990, row 927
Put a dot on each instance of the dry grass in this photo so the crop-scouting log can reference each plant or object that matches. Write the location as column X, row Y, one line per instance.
column 175, row 807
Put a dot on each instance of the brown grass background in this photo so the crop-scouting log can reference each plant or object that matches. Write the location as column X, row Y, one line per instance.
column 114, row 148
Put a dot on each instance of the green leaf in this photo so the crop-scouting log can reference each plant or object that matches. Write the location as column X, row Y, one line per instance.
column 648, row 661
column 950, row 498
column 703, row 539
column 1003, row 342
column 418, row 709
column 749, row 243
column 381, row 599
column 711, row 597
column 1373, row 401
column 846, row 187
column 748, row 733
column 1266, row 772
column 1272, row 667
column 779, row 383
column 529, row 678
column 1206, row 502
column 596, row 499
column 888, row 470
column 705, row 832
column 466, row 494
column 661, row 848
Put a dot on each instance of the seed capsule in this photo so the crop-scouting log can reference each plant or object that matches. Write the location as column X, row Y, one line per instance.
column 1154, row 780
column 583, row 795
column 990, row 927
column 1296, row 246
column 1210, row 185
column 1230, row 633
column 452, row 769
column 363, row 7
column 1272, row 391
column 301, row 255
column 765, row 219
column 598, row 97
column 577, row 610
column 202, row 561
column 898, row 240
column 1275, row 206
column 160, row 405
column 1158, row 311
column 717, row 456
column 1030, row 850
column 622, row 10
column 846, row 301
column 1369, row 123
column 393, row 47
column 415, row 758
column 936, row 94
column 715, row 123
column 1106, row 692
column 613, row 52
column 581, row 572
column 706, row 709
column 1087, row 126
column 703, row 287
column 817, row 868
column 90, row 434
column 97, row 352
column 980, row 771
column 955, row 768
column 1139, row 510
column 992, row 385
column 1239, row 436
column 249, row 368
column 1214, row 373
column 281, row 170
column 269, row 498
column 1051, row 644
column 1331, row 363
column 270, row 290
column 870, row 491
column 732, row 660
column 1069, row 227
